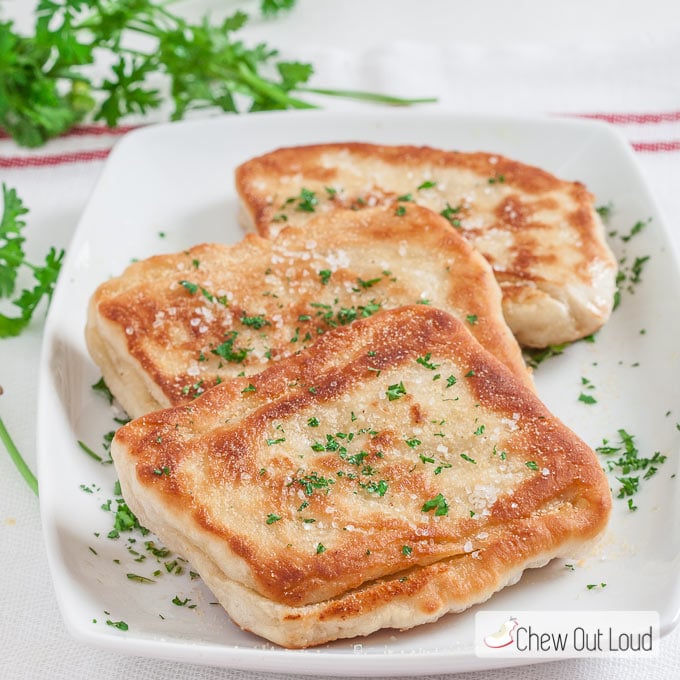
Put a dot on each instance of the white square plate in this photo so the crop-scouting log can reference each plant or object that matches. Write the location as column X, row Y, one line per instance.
column 177, row 180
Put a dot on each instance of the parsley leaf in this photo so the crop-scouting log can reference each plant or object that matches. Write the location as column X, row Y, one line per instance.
column 438, row 504
column 395, row 391
column 12, row 257
column 272, row 7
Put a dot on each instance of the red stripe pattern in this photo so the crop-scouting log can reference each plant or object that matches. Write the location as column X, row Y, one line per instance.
column 633, row 118
column 90, row 131
column 656, row 147
column 51, row 160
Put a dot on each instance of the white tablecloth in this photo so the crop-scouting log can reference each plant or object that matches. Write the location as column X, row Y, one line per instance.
column 621, row 64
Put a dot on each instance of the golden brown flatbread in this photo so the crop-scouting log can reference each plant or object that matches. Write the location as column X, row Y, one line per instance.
column 174, row 325
column 542, row 235
column 391, row 473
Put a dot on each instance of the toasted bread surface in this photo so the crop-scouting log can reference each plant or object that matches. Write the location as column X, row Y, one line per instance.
column 542, row 235
column 389, row 474
column 174, row 325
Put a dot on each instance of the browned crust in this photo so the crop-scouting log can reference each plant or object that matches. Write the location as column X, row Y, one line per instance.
column 540, row 233
column 147, row 315
column 304, row 160
column 538, row 516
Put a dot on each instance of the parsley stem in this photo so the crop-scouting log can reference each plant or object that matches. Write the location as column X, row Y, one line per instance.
column 369, row 96
column 17, row 459
column 273, row 91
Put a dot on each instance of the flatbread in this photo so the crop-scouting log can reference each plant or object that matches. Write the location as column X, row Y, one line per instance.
column 174, row 325
column 391, row 473
column 542, row 235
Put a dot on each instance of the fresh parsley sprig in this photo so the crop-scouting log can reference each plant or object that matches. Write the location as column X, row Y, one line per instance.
column 13, row 257
column 46, row 87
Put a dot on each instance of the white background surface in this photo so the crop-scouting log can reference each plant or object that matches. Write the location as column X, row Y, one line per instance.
column 524, row 57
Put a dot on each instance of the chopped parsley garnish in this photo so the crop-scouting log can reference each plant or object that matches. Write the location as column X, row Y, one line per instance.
column 406, row 550
column 226, row 349
column 121, row 625
column 400, row 211
column 255, row 322
column 125, row 519
column 139, row 579
column 451, row 381
column 376, row 487
column 405, row 198
column 438, row 504
column 425, row 361
column 629, row 486
column 250, row 388
column 90, row 452
column 313, row 481
column 479, row 430
column 497, row 179
column 470, row 373
column 636, row 229
column 313, row 422
column 395, row 391
column 271, row 518
column 191, row 287
column 605, row 211
column 534, row 357
column 532, row 465
column 427, row 184
column 356, row 458
column 450, row 214
column 101, row 387
column 413, row 442
column 180, row 603
column 271, row 442
column 472, row 319
column 368, row 284
column 468, row 459
column 308, row 201
column 320, row 548
column 325, row 276
column 629, row 275
column 587, row 398
column 331, row 192
column 629, row 460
